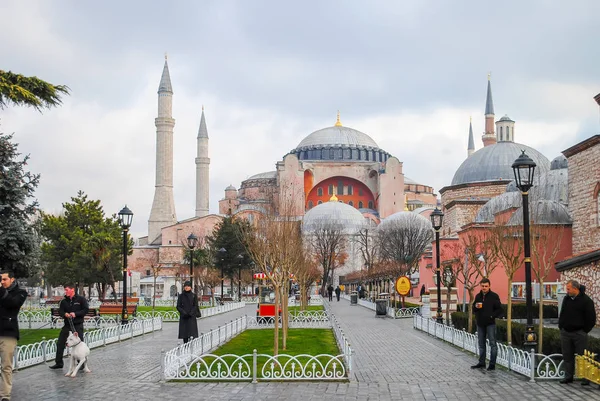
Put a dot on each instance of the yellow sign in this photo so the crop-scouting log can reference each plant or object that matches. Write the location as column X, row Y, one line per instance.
column 403, row 285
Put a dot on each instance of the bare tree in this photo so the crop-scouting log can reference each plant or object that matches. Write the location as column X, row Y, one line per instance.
column 306, row 272
column 402, row 241
column 368, row 247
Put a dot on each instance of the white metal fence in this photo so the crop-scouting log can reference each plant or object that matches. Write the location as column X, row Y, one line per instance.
column 43, row 351
column 173, row 316
column 515, row 359
column 193, row 361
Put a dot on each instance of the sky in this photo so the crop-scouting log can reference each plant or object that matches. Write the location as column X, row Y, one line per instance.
column 409, row 74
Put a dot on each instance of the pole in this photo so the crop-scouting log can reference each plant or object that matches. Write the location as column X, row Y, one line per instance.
column 439, row 318
column 192, row 269
column 222, row 280
column 124, row 316
column 240, row 284
column 530, row 336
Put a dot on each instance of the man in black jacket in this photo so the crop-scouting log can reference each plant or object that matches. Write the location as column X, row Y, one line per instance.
column 487, row 309
column 577, row 318
column 11, row 300
column 73, row 307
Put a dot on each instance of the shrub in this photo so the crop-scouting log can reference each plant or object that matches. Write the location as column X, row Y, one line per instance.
column 519, row 310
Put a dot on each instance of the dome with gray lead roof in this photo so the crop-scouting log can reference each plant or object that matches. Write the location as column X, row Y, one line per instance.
column 494, row 162
column 333, row 214
column 338, row 136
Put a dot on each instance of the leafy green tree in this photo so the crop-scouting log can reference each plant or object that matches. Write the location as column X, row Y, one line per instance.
column 82, row 245
column 29, row 91
column 18, row 238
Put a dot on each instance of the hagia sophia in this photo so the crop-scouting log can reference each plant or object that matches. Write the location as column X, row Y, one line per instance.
column 369, row 186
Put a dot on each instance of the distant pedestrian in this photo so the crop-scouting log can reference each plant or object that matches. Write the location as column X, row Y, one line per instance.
column 487, row 309
column 577, row 318
column 337, row 293
column 330, row 292
column 187, row 305
column 73, row 307
column 422, row 290
column 11, row 300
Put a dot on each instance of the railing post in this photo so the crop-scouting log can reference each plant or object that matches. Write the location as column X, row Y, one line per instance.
column 532, row 356
column 162, row 363
column 254, row 363
column 119, row 331
column 16, row 359
column 201, row 343
column 29, row 319
column 464, row 334
column 44, row 348
column 510, row 353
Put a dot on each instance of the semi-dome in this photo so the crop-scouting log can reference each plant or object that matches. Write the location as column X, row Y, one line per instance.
column 559, row 162
column 498, row 204
column 492, row 163
column 266, row 175
column 543, row 212
column 333, row 214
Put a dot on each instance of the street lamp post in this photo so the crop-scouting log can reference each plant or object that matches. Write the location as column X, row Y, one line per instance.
column 437, row 217
column 524, row 169
column 240, row 258
column 192, row 241
column 125, row 218
column 222, row 252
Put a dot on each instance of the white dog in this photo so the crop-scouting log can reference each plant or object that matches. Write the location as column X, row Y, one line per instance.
column 79, row 354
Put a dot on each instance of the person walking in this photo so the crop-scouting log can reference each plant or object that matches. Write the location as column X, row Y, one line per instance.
column 187, row 305
column 577, row 318
column 330, row 292
column 11, row 300
column 338, row 290
column 72, row 307
column 487, row 309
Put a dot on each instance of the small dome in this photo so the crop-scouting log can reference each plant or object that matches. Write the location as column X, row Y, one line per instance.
column 506, row 118
column 231, row 188
column 543, row 212
column 492, row 163
column 498, row 204
column 552, row 185
column 337, row 214
column 337, row 135
column 559, row 162
column 267, row 175
column 405, row 218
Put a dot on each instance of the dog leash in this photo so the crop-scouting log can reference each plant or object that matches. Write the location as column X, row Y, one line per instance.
column 70, row 320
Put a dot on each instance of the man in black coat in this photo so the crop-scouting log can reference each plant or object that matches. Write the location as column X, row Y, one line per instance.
column 72, row 307
column 11, row 300
column 487, row 309
column 187, row 305
column 577, row 318
column 330, row 292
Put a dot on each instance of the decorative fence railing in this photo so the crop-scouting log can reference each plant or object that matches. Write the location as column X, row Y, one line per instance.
column 341, row 339
column 193, row 360
column 43, row 351
column 528, row 363
column 41, row 318
column 313, row 300
column 395, row 313
column 173, row 316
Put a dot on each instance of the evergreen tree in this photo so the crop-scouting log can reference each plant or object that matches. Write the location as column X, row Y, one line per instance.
column 29, row 91
column 18, row 239
column 227, row 235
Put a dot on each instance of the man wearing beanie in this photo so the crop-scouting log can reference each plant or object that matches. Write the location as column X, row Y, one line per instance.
column 187, row 305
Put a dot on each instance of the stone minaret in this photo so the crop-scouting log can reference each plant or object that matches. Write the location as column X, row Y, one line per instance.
column 471, row 147
column 489, row 137
column 202, row 165
column 163, row 206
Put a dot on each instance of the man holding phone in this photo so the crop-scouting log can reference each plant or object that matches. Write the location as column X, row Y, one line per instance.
column 487, row 308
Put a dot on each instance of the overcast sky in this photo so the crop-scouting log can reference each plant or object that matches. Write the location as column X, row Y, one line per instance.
column 409, row 74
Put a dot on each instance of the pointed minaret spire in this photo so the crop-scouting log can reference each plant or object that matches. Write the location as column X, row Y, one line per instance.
column 202, row 169
column 163, row 205
column 471, row 147
column 338, row 123
column 489, row 136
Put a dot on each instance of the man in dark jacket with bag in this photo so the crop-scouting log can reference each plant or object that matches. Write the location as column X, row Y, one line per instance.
column 487, row 309
column 72, row 308
column 187, row 305
column 577, row 318
column 11, row 300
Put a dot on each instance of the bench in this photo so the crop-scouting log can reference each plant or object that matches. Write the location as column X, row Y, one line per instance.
column 52, row 301
column 116, row 309
column 91, row 315
column 119, row 301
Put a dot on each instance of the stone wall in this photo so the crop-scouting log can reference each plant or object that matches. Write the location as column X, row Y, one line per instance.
column 588, row 275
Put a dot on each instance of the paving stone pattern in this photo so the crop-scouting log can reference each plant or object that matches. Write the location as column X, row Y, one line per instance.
column 392, row 361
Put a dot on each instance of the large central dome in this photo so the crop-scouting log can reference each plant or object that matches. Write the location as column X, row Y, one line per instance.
column 336, row 136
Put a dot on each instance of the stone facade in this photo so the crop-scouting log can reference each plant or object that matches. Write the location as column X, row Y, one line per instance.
column 588, row 275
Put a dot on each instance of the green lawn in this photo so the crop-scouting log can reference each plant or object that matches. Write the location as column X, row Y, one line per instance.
column 300, row 341
column 30, row 336
column 295, row 309
column 157, row 308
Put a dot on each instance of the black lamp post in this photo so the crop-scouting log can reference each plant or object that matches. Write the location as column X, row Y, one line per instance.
column 222, row 252
column 125, row 218
column 192, row 241
column 524, row 169
column 437, row 217
column 240, row 258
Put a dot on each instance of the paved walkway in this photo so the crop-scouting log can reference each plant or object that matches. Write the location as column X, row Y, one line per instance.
column 392, row 362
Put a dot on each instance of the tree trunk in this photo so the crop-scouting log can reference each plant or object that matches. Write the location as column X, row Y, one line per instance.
column 470, row 308
column 154, row 295
column 276, row 324
column 541, row 317
column 509, row 313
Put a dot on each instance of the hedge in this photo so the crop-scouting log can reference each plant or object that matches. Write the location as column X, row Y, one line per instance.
column 519, row 310
column 551, row 336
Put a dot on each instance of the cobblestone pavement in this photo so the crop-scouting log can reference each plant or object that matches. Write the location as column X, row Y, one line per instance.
column 392, row 361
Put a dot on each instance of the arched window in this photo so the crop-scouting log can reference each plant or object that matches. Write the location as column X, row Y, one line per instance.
column 319, row 202
column 319, row 191
column 330, row 189
column 508, row 133
column 360, row 205
column 310, row 204
column 351, row 203
column 371, row 204
column 349, row 189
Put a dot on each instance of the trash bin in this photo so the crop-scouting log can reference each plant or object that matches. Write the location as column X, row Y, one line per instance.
column 381, row 304
column 353, row 298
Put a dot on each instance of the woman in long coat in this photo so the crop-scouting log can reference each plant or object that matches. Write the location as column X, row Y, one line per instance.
column 187, row 306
